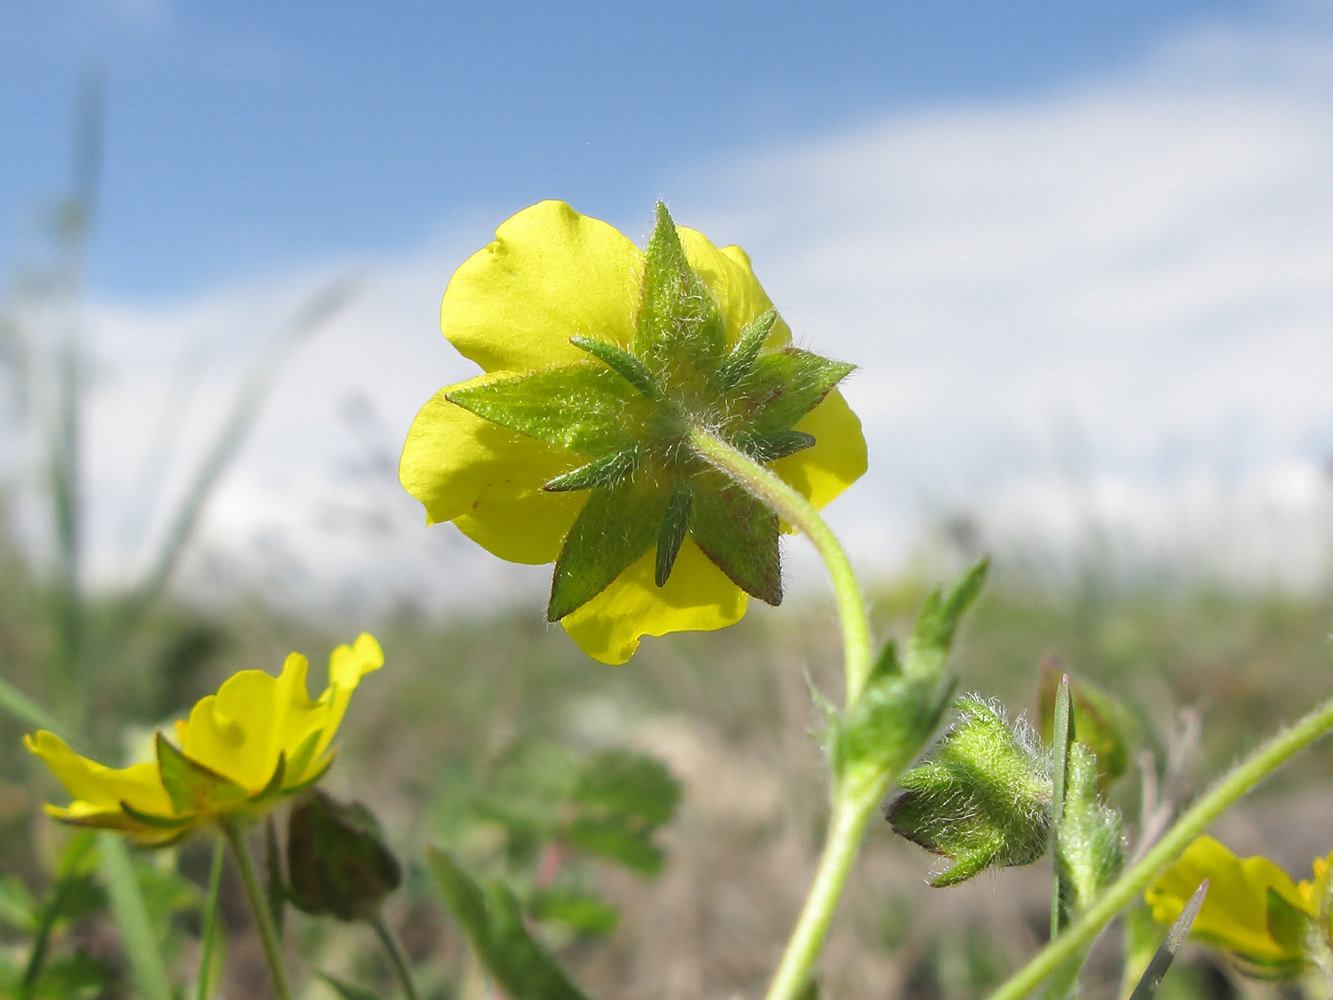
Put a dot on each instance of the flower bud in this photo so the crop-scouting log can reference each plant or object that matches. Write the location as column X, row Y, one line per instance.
column 337, row 863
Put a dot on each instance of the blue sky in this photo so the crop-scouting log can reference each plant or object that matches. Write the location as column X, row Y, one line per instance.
column 245, row 136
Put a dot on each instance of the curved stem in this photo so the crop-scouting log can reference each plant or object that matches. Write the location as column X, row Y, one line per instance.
column 801, row 514
column 396, row 956
column 254, row 895
column 1193, row 822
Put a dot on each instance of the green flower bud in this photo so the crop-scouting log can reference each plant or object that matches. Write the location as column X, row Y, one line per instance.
column 337, row 863
column 981, row 798
column 1089, row 850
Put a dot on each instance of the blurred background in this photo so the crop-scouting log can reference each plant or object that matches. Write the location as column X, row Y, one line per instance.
column 1082, row 254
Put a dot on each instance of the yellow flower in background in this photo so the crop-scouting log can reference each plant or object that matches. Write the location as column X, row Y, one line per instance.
column 1253, row 908
column 259, row 739
column 565, row 305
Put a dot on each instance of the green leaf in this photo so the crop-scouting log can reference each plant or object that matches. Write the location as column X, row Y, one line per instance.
column 628, row 784
column 670, row 537
column 981, row 798
column 1089, row 849
column 609, row 838
column 604, row 471
column 74, row 977
column 19, row 908
column 784, row 386
column 679, row 322
column 620, row 361
column 494, row 925
column 937, row 624
column 884, row 729
column 346, row 990
column 617, row 525
column 1104, row 724
column 583, row 407
column 739, row 362
column 739, row 533
column 582, row 912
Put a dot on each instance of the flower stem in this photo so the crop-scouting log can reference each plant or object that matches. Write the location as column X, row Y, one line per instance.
column 255, row 896
column 1193, row 822
column 801, row 514
column 210, row 933
column 396, row 956
column 852, row 807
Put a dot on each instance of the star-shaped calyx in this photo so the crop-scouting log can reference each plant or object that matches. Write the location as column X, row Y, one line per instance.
column 629, row 412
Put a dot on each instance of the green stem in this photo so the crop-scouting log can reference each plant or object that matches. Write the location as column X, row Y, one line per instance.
column 852, row 807
column 396, row 956
column 210, row 923
column 1125, row 889
column 254, row 894
column 801, row 514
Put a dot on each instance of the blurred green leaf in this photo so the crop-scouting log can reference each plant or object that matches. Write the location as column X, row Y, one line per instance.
column 493, row 921
column 1102, row 722
column 346, row 990
column 628, row 784
column 337, row 861
column 19, row 908
column 127, row 903
column 611, row 838
column 580, row 911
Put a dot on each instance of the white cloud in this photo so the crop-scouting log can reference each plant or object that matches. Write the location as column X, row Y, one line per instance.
column 1109, row 307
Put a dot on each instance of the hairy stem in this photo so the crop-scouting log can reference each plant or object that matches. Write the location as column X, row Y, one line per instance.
column 1193, row 822
column 797, row 511
column 255, row 896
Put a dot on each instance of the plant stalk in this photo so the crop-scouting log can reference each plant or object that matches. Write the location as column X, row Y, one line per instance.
column 255, row 896
column 801, row 514
column 396, row 956
column 1193, row 822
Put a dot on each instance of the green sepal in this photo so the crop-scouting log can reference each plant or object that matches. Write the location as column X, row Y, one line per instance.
column 679, row 321
column 494, row 924
column 1089, row 850
column 981, row 797
column 784, row 386
column 604, row 471
column 777, row 444
column 740, row 360
column 617, row 525
column 620, row 361
column 739, row 533
column 670, row 537
column 191, row 786
column 154, row 820
column 273, row 787
column 937, row 623
column 1104, row 724
column 1291, row 928
column 301, row 757
column 583, row 407
column 337, row 862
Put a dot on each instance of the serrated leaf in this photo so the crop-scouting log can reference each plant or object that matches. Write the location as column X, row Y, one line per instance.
column 679, row 322
column 584, row 407
column 494, row 925
column 611, row 838
column 617, row 525
column 784, row 386
column 630, row 784
column 739, row 533
column 937, row 623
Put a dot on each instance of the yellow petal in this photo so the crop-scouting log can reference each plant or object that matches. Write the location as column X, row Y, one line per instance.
column 240, row 731
column 728, row 275
column 487, row 479
column 697, row 597
column 550, row 274
column 347, row 665
column 97, row 788
column 837, row 458
column 1235, row 911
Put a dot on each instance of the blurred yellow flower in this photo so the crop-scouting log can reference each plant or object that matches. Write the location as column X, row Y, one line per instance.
column 551, row 275
column 260, row 738
column 1253, row 909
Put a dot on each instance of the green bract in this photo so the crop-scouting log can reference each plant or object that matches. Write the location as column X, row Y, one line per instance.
column 628, row 412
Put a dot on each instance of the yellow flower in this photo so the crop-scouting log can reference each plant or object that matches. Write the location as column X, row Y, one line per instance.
column 551, row 275
column 1253, row 909
column 258, row 739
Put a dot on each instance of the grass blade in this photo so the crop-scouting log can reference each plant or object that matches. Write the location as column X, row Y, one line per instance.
column 210, row 932
column 1062, row 734
column 23, row 708
column 150, row 973
column 1161, row 961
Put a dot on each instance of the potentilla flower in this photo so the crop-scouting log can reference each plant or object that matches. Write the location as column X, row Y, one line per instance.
column 598, row 360
column 1272, row 926
column 259, row 739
